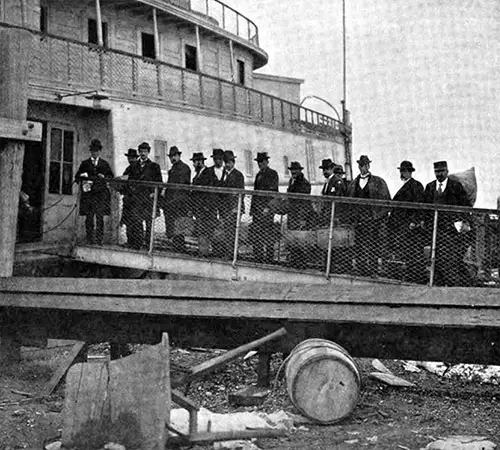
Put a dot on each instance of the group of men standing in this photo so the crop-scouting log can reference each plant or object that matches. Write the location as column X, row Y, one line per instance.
column 408, row 228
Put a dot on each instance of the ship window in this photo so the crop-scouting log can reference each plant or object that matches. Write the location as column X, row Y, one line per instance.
column 62, row 143
column 92, row 29
column 148, row 45
column 191, row 57
column 240, row 72
column 285, row 166
column 43, row 19
column 249, row 163
column 161, row 152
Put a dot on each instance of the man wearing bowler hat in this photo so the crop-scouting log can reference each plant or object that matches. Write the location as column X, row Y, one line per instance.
column 95, row 199
column 262, row 228
column 300, row 214
column 405, row 224
column 144, row 170
column 232, row 179
column 368, row 220
column 127, row 191
column 201, row 204
column 217, row 172
column 175, row 202
column 334, row 186
column 451, row 239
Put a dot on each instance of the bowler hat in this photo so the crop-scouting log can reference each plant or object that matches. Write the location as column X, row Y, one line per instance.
column 132, row 152
column 261, row 156
column 440, row 165
column 173, row 151
column 363, row 160
column 197, row 156
column 406, row 165
column 217, row 153
column 95, row 144
column 295, row 165
column 229, row 156
column 144, row 145
column 338, row 168
column 327, row 164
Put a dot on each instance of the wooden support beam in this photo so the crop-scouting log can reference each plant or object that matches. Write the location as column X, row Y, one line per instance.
column 77, row 351
column 215, row 363
column 15, row 48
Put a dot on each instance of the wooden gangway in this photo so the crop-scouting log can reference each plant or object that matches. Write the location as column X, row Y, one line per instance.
column 397, row 321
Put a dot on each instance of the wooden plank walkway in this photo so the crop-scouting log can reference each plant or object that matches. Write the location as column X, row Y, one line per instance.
column 371, row 304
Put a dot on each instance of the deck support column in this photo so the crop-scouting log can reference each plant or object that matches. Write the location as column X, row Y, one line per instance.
column 100, row 40
column 15, row 48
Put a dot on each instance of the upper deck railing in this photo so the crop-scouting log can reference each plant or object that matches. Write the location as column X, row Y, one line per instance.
column 67, row 65
column 391, row 241
column 228, row 19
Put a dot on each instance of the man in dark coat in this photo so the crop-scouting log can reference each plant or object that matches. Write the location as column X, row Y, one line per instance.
column 175, row 202
column 233, row 179
column 262, row 234
column 301, row 212
column 368, row 220
column 128, row 197
column 95, row 199
column 405, row 225
column 201, row 204
column 217, row 172
column 449, row 268
column 334, row 186
column 143, row 170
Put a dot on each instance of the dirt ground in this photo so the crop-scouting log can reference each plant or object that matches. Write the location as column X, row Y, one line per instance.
column 385, row 418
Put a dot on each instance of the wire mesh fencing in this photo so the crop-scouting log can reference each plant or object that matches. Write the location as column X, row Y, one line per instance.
column 333, row 236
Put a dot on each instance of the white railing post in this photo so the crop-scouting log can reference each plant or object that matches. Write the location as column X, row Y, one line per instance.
column 238, row 228
column 433, row 248
column 153, row 217
column 330, row 239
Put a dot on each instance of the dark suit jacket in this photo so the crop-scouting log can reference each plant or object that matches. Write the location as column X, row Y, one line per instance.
column 377, row 189
column 454, row 194
column 229, row 203
column 411, row 191
column 217, row 182
column 300, row 210
column 179, row 173
column 335, row 187
column 98, row 199
column 202, row 201
column 266, row 180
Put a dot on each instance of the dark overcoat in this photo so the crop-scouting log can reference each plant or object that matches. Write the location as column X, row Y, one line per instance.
column 376, row 188
column 411, row 191
column 179, row 173
column 143, row 200
column 97, row 200
column 229, row 202
column 301, row 212
column 266, row 180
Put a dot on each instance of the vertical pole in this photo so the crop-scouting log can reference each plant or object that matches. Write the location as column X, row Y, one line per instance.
column 261, row 108
column 238, row 228
column 15, row 48
column 153, row 217
column 231, row 60
column 433, row 248
column 156, row 34
column 330, row 239
column 100, row 40
column 282, row 113
column 223, row 16
column 198, row 49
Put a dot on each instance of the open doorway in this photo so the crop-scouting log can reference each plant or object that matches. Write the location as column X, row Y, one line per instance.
column 29, row 223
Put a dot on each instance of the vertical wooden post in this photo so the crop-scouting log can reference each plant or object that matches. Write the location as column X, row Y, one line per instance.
column 330, row 239
column 198, row 49
column 156, row 34
column 100, row 40
column 15, row 48
column 433, row 248
column 231, row 60
column 153, row 217
column 238, row 229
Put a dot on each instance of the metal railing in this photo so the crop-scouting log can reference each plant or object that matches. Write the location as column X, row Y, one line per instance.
column 228, row 19
column 389, row 241
column 67, row 65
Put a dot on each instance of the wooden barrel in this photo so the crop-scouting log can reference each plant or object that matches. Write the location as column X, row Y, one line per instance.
column 323, row 381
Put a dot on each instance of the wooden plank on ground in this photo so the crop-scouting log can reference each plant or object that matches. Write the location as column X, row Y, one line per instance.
column 125, row 401
column 63, row 368
column 214, row 363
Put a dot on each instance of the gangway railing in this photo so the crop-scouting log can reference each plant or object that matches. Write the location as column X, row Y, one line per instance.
column 68, row 65
column 334, row 236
